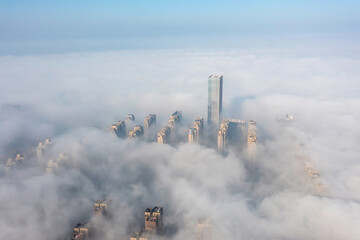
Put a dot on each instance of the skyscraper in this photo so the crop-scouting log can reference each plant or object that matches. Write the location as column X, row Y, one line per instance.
column 215, row 86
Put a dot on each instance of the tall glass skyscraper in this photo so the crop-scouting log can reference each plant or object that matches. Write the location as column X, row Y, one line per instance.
column 215, row 87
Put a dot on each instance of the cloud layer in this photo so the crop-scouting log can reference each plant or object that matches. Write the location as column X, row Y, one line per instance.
column 74, row 98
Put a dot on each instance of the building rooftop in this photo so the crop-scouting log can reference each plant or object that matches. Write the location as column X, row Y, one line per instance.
column 215, row 76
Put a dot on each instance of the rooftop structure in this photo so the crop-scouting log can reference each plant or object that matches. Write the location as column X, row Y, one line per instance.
column 81, row 232
column 153, row 224
column 101, row 207
column 175, row 119
column 154, row 219
column 215, row 89
column 137, row 131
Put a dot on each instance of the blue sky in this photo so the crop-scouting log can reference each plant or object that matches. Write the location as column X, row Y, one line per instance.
column 141, row 23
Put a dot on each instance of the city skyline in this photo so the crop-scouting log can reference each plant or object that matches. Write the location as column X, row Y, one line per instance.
column 169, row 120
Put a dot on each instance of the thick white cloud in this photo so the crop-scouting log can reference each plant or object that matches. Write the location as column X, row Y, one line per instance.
column 74, row 98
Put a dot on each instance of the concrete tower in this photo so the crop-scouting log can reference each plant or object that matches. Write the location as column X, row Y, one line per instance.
column 215, row 87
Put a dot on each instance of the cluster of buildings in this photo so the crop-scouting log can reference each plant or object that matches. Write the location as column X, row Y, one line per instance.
column 130, row 129
column 231, row 132
column 52, row 165
column 153, row 224
column 14, row 162
column 163, row 135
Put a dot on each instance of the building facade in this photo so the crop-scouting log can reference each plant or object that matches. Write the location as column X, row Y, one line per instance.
column 215, row 88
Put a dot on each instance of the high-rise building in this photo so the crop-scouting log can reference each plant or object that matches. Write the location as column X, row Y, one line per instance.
column 175, row 119
column 196, row 130
column 163, row 135
column 153, row 224
column 119, row 129
column 215, row 88
column 222, row 135
column 154, row 219
column 192, row 135
column 149, row 122
column 231, row 132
